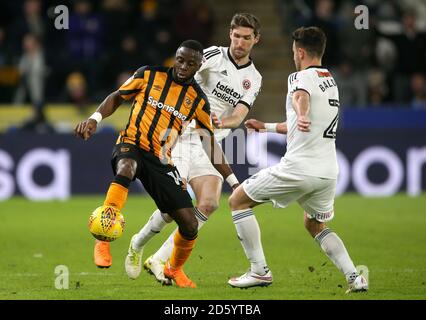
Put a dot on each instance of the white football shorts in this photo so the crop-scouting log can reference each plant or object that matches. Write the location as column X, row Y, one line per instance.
column 190, row 158
column 315, row 195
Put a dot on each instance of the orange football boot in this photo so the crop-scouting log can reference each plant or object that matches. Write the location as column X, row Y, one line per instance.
column 102, row 255
column 178, row 276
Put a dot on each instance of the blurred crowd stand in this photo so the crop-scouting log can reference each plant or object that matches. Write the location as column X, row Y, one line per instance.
column 107, row 40
column 382, row 65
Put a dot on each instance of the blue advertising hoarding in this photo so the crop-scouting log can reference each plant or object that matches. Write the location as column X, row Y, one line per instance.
column 372, row 162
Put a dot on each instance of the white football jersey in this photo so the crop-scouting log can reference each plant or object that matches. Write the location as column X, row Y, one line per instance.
column 226, row 84
column 313, row 153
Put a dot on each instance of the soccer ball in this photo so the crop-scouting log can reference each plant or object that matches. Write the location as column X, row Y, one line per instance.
column 106, row 223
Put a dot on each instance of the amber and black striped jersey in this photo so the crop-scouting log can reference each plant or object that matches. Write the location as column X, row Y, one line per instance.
column 161, row 110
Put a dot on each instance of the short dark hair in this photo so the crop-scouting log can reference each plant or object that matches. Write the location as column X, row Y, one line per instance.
column 312, row 39
column 192, row 44
column 246, row 20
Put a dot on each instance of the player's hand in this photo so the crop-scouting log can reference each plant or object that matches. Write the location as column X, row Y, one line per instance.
column 85, row 129
column 254, row 124
column 217, row 123
column 303, row 123
column 235, row 186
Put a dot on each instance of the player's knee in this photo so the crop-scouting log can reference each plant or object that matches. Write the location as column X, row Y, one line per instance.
column 313, row 226
column 193, row 229
column 231, row 201
column 208, row 207
column 234, row 202
column 189, row 229
column 127, row 168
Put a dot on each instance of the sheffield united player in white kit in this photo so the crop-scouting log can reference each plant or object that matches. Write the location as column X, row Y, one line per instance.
column 231, row 82
column 308, row 171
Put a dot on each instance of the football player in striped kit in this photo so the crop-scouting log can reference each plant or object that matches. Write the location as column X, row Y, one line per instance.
column 231, row 82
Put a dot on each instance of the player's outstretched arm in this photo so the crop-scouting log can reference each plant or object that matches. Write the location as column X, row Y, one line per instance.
column 85, row 129
column 257, row 125
column 232, row 121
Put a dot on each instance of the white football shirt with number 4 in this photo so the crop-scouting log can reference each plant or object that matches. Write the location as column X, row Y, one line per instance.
column 313, row 153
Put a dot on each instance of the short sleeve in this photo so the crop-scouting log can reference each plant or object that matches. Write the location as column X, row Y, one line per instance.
column 210, row 57
column 133, row 85
column 202, row 117
column 251, row 93
column 300, row 81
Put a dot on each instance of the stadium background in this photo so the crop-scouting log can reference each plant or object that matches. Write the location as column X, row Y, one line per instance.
column 50, row 79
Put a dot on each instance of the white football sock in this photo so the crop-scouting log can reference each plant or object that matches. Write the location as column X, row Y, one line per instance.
column 248, row 232
column 164, row 253
column 154, row 225
column 334, row 248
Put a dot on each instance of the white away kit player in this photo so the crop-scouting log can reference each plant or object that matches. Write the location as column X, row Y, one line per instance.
column 307, row 172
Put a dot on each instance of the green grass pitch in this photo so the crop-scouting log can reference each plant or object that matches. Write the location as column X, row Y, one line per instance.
column 388, row 235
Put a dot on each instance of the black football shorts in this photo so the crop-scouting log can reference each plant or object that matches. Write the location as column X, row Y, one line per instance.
column 161, row 181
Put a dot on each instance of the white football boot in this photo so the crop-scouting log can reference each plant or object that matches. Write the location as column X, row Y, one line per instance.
column 133, row 262
column 251, row 279
column 156, row 268
column 360, row 284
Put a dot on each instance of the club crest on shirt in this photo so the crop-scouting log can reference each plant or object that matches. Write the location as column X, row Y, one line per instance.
column 246, row 84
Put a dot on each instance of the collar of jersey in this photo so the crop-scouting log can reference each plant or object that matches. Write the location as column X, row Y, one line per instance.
column 236, row 65
column 319, row 67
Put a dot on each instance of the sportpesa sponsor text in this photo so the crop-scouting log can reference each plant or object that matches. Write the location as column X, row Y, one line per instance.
column 169, row 109
column 224, row 92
